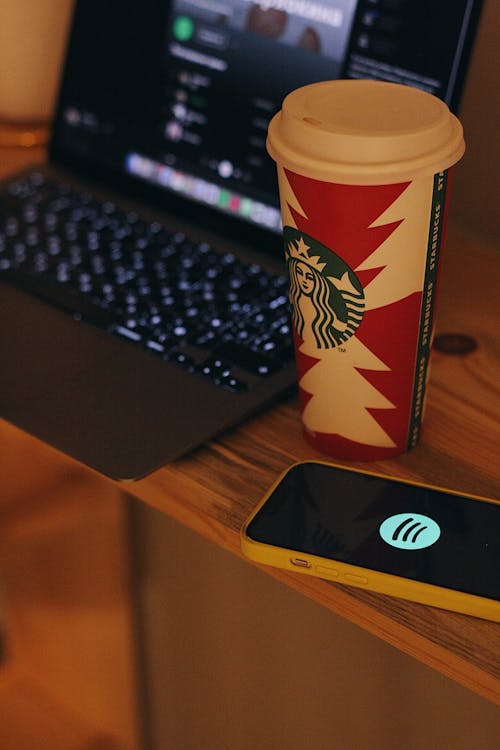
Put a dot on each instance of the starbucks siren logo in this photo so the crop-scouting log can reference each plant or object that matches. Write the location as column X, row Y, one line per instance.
column 326, row 296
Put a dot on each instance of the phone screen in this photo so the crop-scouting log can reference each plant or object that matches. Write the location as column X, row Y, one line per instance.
column 381, row 524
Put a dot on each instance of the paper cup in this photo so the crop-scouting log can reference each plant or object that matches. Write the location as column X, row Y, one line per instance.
column 363, row 169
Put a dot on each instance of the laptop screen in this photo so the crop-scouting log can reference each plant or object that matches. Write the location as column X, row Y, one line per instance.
column 178, row 95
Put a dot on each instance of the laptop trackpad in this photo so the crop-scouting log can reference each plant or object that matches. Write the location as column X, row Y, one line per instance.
column 98, row 399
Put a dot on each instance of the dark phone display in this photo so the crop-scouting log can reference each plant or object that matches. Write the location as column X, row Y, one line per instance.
column 338, row 515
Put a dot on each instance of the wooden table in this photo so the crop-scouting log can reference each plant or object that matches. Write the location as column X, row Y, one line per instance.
column 214, row 489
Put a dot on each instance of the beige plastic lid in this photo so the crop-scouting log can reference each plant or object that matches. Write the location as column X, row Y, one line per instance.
column 364, row 132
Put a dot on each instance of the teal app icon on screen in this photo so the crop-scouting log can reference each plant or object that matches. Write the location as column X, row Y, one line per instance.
column 409, row 531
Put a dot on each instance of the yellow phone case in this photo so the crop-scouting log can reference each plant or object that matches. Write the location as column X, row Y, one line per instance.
column 369, row 579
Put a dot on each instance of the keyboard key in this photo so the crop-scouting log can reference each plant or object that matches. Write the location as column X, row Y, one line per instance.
column 233, row 384
column 183, row 359
column 243, row 357
column 129, row 333
column 214, row 368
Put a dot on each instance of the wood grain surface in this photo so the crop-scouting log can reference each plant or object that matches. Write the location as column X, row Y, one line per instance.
column 214, row 490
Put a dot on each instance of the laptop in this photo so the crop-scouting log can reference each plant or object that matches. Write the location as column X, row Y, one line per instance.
column 143, row 294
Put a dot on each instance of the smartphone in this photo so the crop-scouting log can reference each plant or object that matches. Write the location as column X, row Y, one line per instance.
column 414, row 541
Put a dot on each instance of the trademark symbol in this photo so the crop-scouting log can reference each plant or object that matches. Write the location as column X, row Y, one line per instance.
column 342, row 349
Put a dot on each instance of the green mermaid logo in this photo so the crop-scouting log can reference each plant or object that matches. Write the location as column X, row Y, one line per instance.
column 326, row 296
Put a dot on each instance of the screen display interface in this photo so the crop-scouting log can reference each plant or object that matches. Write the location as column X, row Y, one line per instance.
column 422, row 534
column 179, row 94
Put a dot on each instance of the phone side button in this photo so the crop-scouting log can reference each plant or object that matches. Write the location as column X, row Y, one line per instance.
column 355, row 579
column 322, row 570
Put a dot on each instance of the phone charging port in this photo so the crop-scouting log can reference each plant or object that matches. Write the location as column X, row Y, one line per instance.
column 299, row 562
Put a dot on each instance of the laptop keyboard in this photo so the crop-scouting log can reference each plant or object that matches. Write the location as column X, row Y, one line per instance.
column 203, row 310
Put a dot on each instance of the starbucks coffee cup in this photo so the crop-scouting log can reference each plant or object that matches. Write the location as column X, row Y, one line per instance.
column 363, row 170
